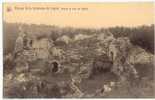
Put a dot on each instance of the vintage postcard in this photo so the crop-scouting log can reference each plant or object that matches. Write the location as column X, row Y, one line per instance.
column 78, row 50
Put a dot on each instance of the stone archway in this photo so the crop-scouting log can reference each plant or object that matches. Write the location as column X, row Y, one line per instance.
column 55, row 67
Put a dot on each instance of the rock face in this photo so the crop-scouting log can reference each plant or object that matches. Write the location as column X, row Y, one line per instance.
column 119, row 50
column 56, row 53
column 19, row 46
column 64, row 40
column 30, row 55
column 101, row 63
column 41, row 48
column 139, row 55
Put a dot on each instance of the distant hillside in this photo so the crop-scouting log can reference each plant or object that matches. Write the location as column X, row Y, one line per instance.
column 142, row 36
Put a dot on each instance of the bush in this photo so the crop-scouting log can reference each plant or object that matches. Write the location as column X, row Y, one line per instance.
column 142, row 36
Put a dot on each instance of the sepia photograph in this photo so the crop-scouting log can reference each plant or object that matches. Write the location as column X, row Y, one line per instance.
column 78, row 50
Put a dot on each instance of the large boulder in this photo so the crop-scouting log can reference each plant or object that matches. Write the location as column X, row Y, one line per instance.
column 101, row 64
column 81, row 37
column 64, row 40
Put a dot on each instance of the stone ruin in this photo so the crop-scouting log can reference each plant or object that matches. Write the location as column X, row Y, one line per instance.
column 119, row 51
column 115, row 57
column 102, row 64
column 112, row 60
